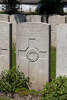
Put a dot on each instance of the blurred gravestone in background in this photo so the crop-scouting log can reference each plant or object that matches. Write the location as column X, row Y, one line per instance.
column 54, row 21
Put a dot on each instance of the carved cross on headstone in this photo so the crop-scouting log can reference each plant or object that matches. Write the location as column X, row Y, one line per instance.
column 32, row 53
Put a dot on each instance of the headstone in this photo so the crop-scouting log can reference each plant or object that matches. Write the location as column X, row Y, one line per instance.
column 32, row 47
column 4, row 17
column 65, row 18
column 33, row 18
column 54, row 21
column 61, row 66
column 4, row 46
column 14, row 19
column 28, row 18
column 43, row 19
column 20, row 18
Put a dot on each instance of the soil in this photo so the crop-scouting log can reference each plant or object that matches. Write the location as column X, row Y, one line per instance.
column 17, row 97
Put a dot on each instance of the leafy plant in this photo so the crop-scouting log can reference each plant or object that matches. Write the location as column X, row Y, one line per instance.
column 55, row 90
column 11, row 80
column 11, row 6
column 49, row 7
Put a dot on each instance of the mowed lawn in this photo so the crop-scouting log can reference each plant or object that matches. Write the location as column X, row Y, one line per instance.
column 53, row 63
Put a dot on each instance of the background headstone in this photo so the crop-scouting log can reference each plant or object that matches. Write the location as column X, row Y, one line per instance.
column 4, row 45
column 32, row 52
column 43, row 19
column 4, row 17
column 65, row 18
column 61, row 64
column 20, row 18
column 54, row 21
column 33, row 18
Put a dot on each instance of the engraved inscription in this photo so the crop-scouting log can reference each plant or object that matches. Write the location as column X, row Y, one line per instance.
column 32, row 55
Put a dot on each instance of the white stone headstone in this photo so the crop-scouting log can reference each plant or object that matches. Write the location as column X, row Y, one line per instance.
column 32, row 45
column 54, row 21
column 61, row 63
column 33, row 18
column 4, row 17
column 4, row 46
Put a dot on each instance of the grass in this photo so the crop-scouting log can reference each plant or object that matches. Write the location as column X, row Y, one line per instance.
column 53, row 63
column 1, row 98
column 14, row 57
column 26, row 92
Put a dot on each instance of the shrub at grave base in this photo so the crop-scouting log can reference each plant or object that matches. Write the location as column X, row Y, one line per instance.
column 11, row 80
column 55, row 90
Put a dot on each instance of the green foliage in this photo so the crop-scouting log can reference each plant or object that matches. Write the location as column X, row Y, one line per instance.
column 1, row 98
column 11, row 6
column 26, row 92
column 11, row 80
column 55, row 90
column 50, row 7
column 53, row 63
column 14, row 58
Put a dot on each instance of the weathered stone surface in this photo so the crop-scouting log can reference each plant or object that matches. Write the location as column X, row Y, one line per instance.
column 61, row 66
column 20, row 18
column 33, row 18
column 4, row 17
column 32, row 52
column 65, row 18
column 43, row 19
column 4, row 45
column 54, row 21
